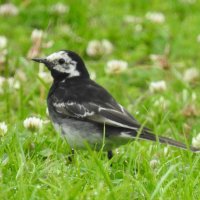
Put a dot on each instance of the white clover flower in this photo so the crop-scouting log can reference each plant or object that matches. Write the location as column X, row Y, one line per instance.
column 191, row 75
column 155, row 17
column 94, row 48
column 157, row 86
column 8, row 9
column 3, row 42
column 36, row 35
column 154, row 163
column 196, row 141
column 131, row 19
column 116, row 66
column 107, row 46
column 33, row 123
column 60, row 8
column 3, row 128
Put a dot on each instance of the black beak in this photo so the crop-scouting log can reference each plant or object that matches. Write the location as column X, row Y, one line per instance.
column 44, row 61
column 40, row 60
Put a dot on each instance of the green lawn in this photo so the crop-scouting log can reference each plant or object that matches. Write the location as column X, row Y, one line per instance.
column 35, row 164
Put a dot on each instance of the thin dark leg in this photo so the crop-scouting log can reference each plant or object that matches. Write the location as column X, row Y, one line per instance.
column 71, row 155
column 110, row 154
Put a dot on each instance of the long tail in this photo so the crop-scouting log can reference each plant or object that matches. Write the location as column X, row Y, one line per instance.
column 150, row 136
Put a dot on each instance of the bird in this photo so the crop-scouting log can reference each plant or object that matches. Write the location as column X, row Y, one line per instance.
column 86, row 113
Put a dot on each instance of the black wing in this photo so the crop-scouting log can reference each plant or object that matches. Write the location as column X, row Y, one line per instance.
column 93, row 112
column 89, row 101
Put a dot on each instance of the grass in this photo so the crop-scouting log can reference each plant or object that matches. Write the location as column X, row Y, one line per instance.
column 35, row 165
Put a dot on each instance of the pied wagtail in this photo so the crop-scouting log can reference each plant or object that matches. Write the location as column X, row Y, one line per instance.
column 83, row 111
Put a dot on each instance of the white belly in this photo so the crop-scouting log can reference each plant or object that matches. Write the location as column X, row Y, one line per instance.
column 79, row 134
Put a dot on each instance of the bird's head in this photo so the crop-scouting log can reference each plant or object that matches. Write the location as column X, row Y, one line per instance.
column 64, row 64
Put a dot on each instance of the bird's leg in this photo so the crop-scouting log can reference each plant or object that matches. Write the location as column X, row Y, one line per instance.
column 110, row 154
column 70, row 157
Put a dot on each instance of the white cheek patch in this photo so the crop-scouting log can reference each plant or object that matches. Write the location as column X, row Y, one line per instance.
column 69, row 67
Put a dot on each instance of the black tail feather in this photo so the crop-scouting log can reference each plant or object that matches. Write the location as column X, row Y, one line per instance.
column 150, row 136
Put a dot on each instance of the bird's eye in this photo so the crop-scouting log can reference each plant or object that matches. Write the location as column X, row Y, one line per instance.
column 61, row 61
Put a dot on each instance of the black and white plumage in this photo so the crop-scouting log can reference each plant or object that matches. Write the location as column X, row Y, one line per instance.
column 84, row 111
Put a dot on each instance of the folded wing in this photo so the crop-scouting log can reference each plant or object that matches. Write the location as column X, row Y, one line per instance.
column 93, row 112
